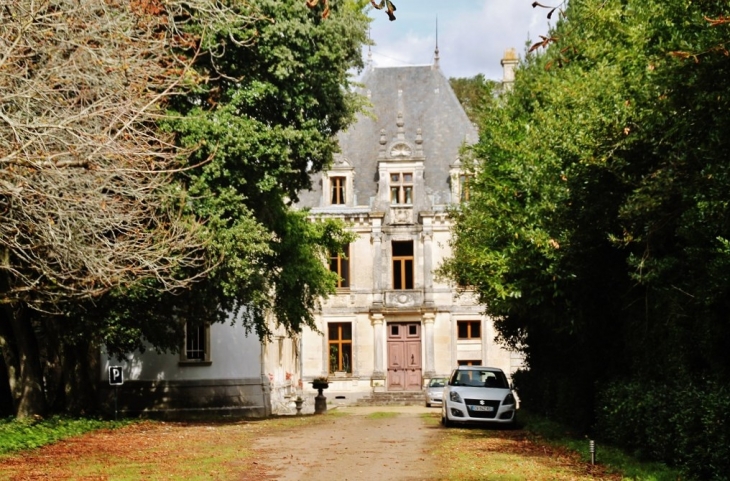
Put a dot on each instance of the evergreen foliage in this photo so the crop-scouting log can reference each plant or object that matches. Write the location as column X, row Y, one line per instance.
column 260, row 119
column 597, row 228
column 474, row 94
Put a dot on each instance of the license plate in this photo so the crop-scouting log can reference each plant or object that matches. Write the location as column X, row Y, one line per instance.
column 482, row 408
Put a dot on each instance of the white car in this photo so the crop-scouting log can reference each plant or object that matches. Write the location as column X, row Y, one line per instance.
column 477, row 394
column 434, row 391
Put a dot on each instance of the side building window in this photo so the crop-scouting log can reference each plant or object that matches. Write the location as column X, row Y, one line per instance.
column 337, row 190
column 340, row 346
column 340, row 264
column 469, row 329
column 197, row 343
column 401, row 188
column 402, row 264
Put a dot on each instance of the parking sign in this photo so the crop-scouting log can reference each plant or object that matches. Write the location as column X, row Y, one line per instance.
column 116, row 377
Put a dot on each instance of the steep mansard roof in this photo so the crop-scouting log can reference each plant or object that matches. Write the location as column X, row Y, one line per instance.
column 423, row 96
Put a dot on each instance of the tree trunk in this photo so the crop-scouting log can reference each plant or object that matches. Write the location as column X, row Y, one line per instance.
column 6, row 398
column 22, row 358
column 10, row 355
column 80, row 370
column 52, row 349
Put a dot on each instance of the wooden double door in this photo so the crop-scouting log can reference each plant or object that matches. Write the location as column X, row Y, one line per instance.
column 404, row 356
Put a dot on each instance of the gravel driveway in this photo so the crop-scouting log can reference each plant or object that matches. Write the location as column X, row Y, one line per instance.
column 362, row 445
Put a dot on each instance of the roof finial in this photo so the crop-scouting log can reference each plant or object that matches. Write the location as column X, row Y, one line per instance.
column 436, row 52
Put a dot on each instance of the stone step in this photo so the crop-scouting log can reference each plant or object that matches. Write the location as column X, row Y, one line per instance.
column 402, row 398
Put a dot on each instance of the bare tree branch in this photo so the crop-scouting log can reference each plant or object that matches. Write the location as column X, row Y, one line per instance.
column 87, row 198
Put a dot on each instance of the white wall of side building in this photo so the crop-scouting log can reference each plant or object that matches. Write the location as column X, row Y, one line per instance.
column 240, row 375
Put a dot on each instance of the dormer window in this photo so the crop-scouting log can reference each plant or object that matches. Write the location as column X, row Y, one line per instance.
column 337, row 184
column 401, row 188
column 337, row 190
column 464, row 181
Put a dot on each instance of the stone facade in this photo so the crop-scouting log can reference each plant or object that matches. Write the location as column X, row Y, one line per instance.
column 393, row 324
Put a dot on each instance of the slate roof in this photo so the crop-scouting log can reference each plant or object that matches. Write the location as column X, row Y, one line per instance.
column 427, row 102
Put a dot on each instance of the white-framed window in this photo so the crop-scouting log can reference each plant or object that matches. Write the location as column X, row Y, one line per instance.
column 401, row 188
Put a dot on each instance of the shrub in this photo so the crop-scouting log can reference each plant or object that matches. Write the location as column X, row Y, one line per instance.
column 29, row 433
column 681, row 424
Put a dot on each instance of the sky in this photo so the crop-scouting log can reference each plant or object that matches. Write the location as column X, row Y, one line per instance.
column 472, row 34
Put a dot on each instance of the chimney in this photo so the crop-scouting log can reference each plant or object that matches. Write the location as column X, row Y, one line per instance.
column 509, row 63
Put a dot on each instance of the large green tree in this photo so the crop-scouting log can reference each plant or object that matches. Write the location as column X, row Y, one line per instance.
column 263, row 122
column 596, row 232
column 180, row 205
column 474, row 93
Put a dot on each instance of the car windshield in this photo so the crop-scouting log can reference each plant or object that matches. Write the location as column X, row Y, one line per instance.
column 479, row 378
column 437, row 382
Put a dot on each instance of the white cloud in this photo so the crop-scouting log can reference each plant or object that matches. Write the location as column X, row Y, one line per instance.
column 473, row 34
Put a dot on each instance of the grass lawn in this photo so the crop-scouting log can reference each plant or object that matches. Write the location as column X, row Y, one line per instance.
column 541, row 451
column 140, row 449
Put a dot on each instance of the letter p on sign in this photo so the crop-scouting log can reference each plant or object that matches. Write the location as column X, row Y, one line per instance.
column 116, row 378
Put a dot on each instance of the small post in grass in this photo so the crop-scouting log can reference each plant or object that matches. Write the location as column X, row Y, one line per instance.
column 592, row 449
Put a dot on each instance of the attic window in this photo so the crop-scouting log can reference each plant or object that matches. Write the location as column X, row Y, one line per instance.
column 464, row 181
column 401, row 188
column 337, row 187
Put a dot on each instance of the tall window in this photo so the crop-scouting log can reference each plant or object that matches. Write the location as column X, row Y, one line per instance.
column 337, row 188
column 340, row 346
column 402, row 264
column 340, row 264
column 469, row 329
column 401, row 188
column 464, row 181
column 197, row 342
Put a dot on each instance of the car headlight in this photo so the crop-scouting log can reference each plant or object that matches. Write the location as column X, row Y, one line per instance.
column 509, row 399
column 454, row 396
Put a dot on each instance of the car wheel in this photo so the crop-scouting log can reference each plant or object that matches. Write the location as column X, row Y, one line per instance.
column 445, row 421
column 428, row 405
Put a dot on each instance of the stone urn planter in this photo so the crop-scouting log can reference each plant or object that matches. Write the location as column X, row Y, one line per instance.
column 320, row 402
column 299, row 401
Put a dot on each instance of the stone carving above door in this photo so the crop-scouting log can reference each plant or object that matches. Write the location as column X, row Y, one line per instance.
column 404, row 298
